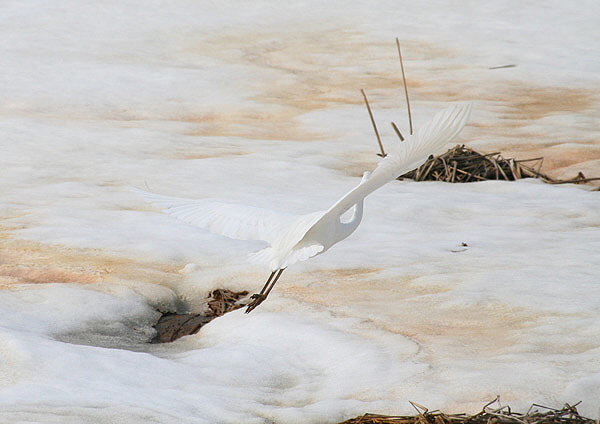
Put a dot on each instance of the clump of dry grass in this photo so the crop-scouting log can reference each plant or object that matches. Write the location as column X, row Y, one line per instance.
column 462, row 164
column 537, row 414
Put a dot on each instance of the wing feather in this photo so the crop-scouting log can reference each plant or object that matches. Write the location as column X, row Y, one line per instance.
column 408, row 155
column 228, row 219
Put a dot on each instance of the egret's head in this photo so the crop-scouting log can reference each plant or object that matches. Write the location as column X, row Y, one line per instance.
column 365, row 176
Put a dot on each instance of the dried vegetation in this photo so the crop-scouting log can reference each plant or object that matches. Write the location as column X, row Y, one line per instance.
column 462, row 164
column 537, row 414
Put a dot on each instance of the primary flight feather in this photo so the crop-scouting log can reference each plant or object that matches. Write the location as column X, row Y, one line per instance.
column 294, row 238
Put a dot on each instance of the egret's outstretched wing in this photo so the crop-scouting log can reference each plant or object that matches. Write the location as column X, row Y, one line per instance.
column 408, row 155
column 228, row 219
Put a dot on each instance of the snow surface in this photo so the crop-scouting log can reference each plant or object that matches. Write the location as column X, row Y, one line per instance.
column 258, row 103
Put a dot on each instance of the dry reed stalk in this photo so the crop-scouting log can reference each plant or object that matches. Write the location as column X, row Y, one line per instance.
column 382, row 154
column 454, row 165
column 397, row 131
column 405, row 87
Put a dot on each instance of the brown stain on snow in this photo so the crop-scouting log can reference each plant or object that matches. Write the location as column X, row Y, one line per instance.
column 535, row 102
column 212, row 155
column 250, row 124
column 285, row 73
column 320, row 70
column 350, row 272
column 406, row 307
column 302, row 72
column 27, row 262
column 561, row 160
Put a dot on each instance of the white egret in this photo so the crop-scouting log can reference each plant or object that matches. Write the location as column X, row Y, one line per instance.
column 294, row 238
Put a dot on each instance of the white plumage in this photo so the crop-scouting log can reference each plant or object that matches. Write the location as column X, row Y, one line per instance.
column 294, row 238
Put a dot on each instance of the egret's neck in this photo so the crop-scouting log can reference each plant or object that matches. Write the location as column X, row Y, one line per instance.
column 357, row 214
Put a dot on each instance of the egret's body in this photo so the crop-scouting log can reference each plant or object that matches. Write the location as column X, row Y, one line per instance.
column 294, row 238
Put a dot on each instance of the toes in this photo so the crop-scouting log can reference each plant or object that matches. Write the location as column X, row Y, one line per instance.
column 257, row 301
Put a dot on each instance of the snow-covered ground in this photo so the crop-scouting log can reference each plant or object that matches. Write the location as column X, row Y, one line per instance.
column 259, row 103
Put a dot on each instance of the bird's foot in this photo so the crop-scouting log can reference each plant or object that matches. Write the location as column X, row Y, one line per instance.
column 257, row 299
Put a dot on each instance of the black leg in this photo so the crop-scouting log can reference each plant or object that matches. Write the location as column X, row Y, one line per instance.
column 259, row 298
column 273, row 282
column 254, row 296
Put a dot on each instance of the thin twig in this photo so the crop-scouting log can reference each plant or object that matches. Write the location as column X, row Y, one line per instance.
column 446, row 172
column 383, row 154
column 429, row 169
column 574, row 181
column 515, row 169
column 454, row 165
column 405, row 87
column 503, row 66
column 419, row 408
column 398, row 133
column 528, row 160
column 540, row 165
column 499, row 168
